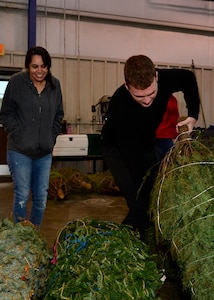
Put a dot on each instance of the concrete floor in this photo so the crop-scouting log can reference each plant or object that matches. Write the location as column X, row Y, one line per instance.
column 59, row 213
column 102, row 207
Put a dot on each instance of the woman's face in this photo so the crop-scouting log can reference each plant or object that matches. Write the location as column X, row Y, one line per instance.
column 37, row 69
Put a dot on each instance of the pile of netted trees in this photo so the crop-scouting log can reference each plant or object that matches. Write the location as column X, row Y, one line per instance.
column 90, row 260
column 183, row 211
column 68, row 181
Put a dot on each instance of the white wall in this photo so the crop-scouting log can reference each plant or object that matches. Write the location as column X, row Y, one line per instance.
column 89, row 41
column 173, row 31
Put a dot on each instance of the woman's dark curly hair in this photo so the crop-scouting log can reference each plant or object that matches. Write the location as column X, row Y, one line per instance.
column 37, row 50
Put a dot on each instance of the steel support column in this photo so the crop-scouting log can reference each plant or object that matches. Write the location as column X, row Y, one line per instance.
column 31, row 23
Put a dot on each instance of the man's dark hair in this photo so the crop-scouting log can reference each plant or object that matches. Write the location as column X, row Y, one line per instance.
column 139, row 72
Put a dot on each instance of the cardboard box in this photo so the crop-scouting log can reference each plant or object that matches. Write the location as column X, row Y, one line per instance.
column 71, row 145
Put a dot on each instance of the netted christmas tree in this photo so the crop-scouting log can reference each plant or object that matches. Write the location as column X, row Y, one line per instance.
column 24, row 261
column 101, row 260
column 183, row 211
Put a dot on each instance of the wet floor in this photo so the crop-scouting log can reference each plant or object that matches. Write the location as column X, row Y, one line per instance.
column 91, row 206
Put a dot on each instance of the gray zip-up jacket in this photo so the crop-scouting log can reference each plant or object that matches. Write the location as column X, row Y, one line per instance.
column 31, row 120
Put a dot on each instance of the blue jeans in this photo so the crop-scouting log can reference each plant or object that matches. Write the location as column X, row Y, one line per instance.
column 29, row 175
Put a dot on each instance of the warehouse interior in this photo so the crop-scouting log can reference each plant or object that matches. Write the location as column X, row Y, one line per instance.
column 89, row 42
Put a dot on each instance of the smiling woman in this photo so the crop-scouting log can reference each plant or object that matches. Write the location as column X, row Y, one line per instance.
column 38, row 64
column 31, row 114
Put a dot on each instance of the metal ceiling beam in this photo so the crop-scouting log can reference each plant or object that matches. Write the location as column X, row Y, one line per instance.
column 114, row 19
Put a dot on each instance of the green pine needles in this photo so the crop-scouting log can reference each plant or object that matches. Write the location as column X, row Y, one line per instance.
column 24, row 262
column 183, row 211
column 100, row 260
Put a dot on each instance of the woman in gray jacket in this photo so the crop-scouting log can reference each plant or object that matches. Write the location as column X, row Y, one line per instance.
column 32, row 113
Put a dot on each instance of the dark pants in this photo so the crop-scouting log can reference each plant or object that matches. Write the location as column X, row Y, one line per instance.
column 163, row 146
column 128, row 171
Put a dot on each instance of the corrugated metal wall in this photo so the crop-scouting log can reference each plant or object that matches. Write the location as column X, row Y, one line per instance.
column 85, row 80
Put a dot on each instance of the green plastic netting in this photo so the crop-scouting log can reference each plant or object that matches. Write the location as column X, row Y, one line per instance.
column 101, row 260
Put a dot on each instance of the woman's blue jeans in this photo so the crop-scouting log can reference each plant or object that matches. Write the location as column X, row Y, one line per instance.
column 29, row 176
